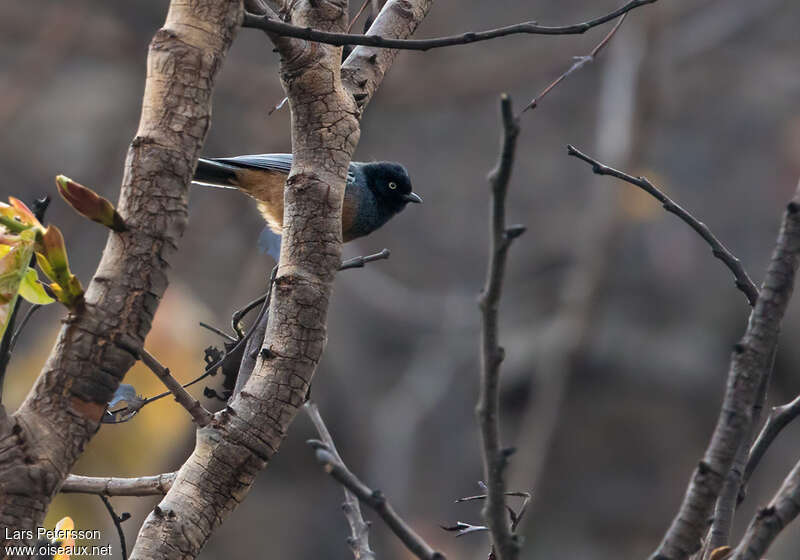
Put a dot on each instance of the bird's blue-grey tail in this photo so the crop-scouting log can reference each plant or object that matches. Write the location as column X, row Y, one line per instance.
column 215, row 174
column 269, row 242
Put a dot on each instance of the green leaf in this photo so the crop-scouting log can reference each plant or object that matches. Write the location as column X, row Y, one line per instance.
column 32, row 291
column 14, row 259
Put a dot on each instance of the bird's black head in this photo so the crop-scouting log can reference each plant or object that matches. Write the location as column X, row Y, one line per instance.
column 390, row 184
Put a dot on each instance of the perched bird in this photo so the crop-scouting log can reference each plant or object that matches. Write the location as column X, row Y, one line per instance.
column 374, row 193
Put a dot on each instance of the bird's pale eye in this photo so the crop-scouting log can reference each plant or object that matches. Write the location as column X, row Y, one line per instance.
column 393, row 185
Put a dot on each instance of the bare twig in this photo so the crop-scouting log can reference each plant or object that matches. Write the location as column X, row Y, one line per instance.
column 495, row 458
column 750, row 362
column 359, row 528
column 779, row 418
column 27, row 317
column 580, row 62
column 232, row 351
column 359, row 262
column 360, row 11
column 771, row 520
column 117, row 519
column 376, row 500
column 281, row 29
column 114, row 486
column 201, row 416
column 217, row 331
column 719, row 250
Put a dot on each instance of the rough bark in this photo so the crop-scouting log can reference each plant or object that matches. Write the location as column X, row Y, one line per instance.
column 99, row 340
column 243, row 437
column 751, row 361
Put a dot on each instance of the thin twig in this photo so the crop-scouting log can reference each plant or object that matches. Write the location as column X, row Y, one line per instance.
column 117, row 519
column 281, row 29
column 376, row 500
column 580, row 62
column 743, row 281
column 779, row 418
column 211, row 368
column 359, row 262
column 28, row 314
column 217, row 331
column 750, row 362
column 201, row 416
column 495, row 458
column 113, row 486
column 359, row 528
column 358, row 15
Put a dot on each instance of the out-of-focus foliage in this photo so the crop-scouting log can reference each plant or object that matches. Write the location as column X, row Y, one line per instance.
column 19, row 231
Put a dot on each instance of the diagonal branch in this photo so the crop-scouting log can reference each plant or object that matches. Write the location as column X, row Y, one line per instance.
column 743, row 282
column 201, row 416
column 276, row 27
column 750, row 363
column 359, row 529
column 771, row 520
column 580, row 62
column 495, row 459
column 376, row 500
column 779, row 418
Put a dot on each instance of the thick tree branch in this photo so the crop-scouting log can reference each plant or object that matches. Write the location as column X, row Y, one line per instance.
column 750, row 362
column 114, row 486
column 376, row 500
column 359, row 528
column 495, row 458
column 100, row 340
column 276, row 27
column 771, row 520
column 743, row 282
column 243, row 437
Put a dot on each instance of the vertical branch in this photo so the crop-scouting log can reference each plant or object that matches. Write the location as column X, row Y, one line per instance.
column 750, row 362
column 359, row 529
column 495, row 458
column 100, row 339
column 242, row 438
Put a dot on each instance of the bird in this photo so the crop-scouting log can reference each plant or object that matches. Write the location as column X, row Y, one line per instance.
column 374, row 193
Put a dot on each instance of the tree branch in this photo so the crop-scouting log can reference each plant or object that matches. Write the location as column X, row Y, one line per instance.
column 779, row 418
column 750, row 362
column 233, row 449
column 743, row 282
column 771, row 520
column 117, row 520
column 199, row 414
column 495, row 459
column 580, row 62
column 376, row 500
column 359, row 529
column 279, row 28
column 114, row 486
column 99, row 340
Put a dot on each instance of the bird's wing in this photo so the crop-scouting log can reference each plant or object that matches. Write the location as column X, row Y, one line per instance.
column 281, row 163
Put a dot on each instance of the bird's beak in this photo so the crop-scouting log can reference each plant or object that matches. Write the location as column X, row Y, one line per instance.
column 413, row 197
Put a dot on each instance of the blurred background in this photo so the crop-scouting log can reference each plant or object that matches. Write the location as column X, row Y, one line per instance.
column 616, row 319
